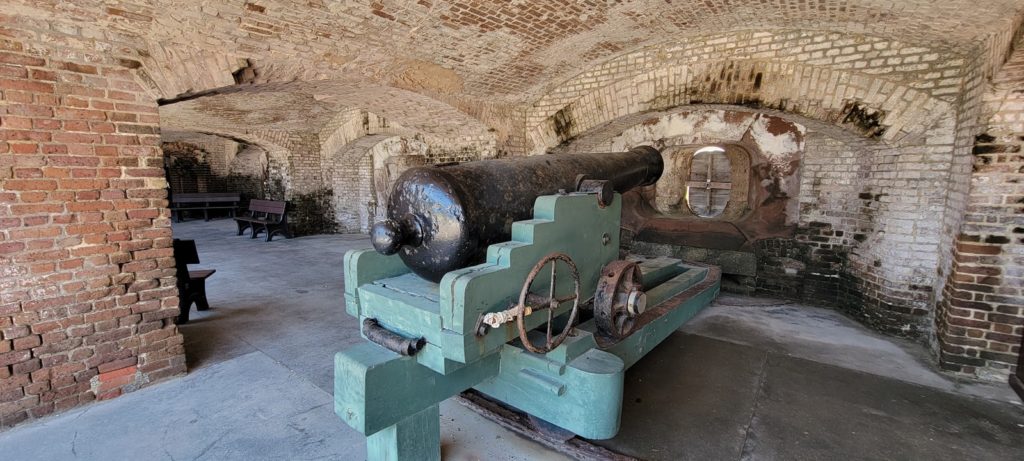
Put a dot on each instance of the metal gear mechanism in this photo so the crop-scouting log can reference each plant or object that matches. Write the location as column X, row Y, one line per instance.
column 619, row 299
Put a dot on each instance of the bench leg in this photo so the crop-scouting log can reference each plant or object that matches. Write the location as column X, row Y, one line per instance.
column 206, row 214
column 242, row 225
column 184, row 304
column 256, row 228
column 281, row 228
column 199, row 294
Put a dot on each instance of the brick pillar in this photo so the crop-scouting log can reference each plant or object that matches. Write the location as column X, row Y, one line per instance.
column 87, row 290
column 981, row 318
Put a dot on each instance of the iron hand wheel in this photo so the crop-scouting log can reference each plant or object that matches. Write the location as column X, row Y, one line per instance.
column 551, row 302
column 619, row 299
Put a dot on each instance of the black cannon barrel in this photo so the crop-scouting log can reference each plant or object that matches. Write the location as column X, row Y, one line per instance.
column 442, row 218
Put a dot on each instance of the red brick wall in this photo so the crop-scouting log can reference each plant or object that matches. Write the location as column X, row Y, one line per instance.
column 981, row 318
column 87, row 296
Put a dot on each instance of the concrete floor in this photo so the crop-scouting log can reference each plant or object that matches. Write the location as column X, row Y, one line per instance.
column 747, row 379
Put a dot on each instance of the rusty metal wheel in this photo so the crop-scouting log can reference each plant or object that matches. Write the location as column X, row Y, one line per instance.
column 530, row 302
column 620, row 299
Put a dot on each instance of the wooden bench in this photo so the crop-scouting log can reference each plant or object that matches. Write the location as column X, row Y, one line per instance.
column 191, row 284
column 203, row 201
column 264, row 215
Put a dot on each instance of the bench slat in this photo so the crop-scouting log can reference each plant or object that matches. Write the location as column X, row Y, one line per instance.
column 266, row 206
column 189, row 197
column 203, row 201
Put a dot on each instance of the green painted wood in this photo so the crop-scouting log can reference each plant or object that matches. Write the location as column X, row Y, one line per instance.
column 585, row 399
column 689, row 277
column 401, row 312
column 573, row 224
column 635, row 346
column 417, row 437
column 574, row 346
column 432, row 357
column 578, row 396
column 393, row 399
column 375, row 388
column 656, row 271
column 365, row 266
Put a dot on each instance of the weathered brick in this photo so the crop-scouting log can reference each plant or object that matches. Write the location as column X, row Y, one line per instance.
column 26, row 85
column 14, row 357
column 27, row 342
column 21, row 59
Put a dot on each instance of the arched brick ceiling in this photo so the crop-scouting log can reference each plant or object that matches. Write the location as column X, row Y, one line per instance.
column 443, row 66
column 504, row 49
column 308, row 106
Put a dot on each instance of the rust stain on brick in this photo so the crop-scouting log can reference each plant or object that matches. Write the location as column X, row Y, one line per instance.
column 867, row 120
column 422, row 75
column 779, row 126
column 255, row 8
column 129, row 63
column 128, row 15
column 80, row 68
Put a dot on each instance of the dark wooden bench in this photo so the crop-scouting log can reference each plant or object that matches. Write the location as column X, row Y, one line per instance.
column 203, row 201
column 191, row 284
column 264, row 215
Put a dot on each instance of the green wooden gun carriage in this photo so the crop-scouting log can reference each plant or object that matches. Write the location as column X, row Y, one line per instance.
column 547, row 323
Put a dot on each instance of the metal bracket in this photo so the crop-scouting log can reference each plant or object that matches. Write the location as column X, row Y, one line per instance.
column 602, row 188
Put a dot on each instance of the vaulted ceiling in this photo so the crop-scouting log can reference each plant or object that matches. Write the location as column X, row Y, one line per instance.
column 476, row 55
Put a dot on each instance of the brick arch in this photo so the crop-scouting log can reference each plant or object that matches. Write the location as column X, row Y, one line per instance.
column 340, row 134
column 921, row 65
column 878, row 108
column 172, row 71
column 352, row 175
column 261, row 140
column 309, row 105
column 278, row 154
column 219, row 163
column 858, row 202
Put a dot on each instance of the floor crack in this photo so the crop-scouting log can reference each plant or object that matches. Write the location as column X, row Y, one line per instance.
column 209, row 446
column 749, row 438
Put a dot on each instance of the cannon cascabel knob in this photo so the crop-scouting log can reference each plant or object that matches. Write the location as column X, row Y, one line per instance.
column 387, row 237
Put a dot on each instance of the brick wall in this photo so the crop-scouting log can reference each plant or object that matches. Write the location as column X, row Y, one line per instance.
column 895, row 146
column 981, row 319
column 853, row 210
column 922, row 68
column 87, row 293
column 899, row 151
column 355, row 170
column 884, row 190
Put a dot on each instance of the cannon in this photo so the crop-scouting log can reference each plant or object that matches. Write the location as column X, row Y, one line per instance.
column 443, row 218
column 505, row 276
